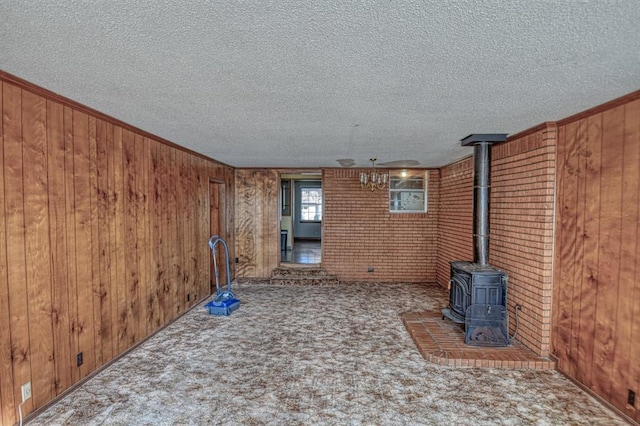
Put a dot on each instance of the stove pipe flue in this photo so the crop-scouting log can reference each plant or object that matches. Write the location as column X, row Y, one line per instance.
column 481, row 191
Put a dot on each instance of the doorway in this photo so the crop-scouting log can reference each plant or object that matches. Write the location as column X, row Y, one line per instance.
column 217, row 226
column 307, row 216
column 301, row 218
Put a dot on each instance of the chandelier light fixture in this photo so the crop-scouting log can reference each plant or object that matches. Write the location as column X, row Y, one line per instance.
column 373, row 179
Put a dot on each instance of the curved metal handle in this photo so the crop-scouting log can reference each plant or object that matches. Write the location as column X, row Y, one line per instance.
column 213, row 242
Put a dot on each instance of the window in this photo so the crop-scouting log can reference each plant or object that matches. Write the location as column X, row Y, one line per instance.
column 408, row 191
column 311, row 204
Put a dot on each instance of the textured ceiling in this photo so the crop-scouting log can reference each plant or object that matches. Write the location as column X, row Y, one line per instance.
column 288, row 83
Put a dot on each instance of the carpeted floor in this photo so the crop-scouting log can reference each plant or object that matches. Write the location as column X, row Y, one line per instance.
column 314, row 355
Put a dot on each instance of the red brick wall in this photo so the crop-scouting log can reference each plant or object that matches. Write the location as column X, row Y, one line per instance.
column 359, row 232
column 455, row 239
column 521, row 236
column 521, row 226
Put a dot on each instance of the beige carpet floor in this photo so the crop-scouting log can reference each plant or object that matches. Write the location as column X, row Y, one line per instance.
column 298, row 355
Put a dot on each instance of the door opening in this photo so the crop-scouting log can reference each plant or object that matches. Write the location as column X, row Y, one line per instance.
column 301, row 218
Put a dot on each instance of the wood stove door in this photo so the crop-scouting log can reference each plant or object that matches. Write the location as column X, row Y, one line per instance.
column 459, row 297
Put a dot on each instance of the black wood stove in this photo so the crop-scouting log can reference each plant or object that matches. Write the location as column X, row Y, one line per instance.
column 478, row 291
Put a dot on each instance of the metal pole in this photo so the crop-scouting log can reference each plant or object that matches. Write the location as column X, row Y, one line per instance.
column 481, row 199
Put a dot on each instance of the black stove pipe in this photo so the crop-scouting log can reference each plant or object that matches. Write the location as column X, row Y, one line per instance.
column 481, row 192
column 481, row 200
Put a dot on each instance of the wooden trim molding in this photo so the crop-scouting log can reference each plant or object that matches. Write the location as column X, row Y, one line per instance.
column 106, row 365
column 41, row 91
column 531, row 130
column 600, row 108
column 597, row 397
column 579, row 116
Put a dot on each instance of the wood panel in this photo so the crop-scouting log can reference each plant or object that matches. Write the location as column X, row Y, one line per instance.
column 257, row 228
column 7, row 402
column 70, row 207
column 15, row 236
column 609, row 248
column 37, row 248
column 98, row 287
column 229, row 224
column 110, row 307
column 102, row 241
column 632, row 136
column 191, row 246
column 626, row 344
column 596, row 279
column 166, row 299
column 90, row 225
column 578, row 260
column 120, row 332
column 151, row 241
column 589, row 282
column 566, row 247
column 132, row 279
column 245, row 224
column 216, row 222
column 175, row 280
column 202, row 250
column 163, row 217
column 183, row 196
column 141, row 245
column 155, row 318
column 83, row 243
column 147, row 272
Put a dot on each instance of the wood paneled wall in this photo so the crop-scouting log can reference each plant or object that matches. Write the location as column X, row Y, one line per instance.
column 596, row 333
column 257, row 236
column 103, row 233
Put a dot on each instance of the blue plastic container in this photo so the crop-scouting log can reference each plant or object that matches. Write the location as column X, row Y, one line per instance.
column 223, row 307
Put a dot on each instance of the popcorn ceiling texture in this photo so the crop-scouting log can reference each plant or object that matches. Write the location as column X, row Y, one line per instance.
column 314, row 355
column 303, row 84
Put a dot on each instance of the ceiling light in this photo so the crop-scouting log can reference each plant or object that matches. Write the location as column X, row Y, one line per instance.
column 373, row 179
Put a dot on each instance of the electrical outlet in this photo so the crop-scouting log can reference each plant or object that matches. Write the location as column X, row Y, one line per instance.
column 26, row 391
column 631, row 398
column 370, row 269
column 79, row 360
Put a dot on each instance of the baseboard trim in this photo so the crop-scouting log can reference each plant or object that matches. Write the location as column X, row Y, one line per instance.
column 91, row 375
column 600, row 399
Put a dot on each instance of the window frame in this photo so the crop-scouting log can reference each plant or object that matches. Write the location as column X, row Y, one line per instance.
column 318, row 204
column 399, row 196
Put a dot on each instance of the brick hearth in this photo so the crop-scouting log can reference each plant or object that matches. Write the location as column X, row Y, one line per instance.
column 442, row 342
